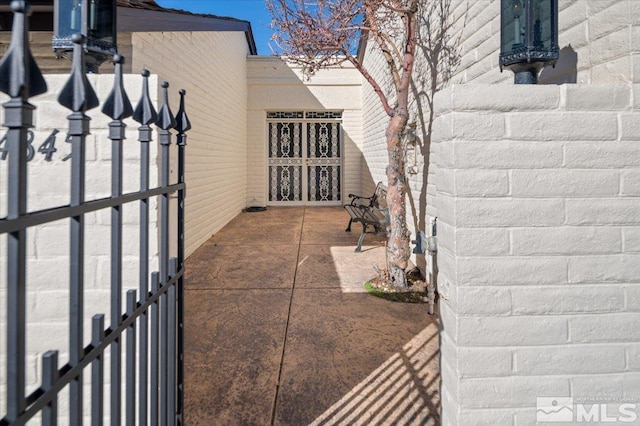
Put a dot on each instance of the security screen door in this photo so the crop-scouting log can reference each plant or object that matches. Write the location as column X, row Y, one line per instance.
column 305, row 161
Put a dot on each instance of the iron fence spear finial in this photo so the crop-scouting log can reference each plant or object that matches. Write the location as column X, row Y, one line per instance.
column 182, row 121
column 77, row 94
column 166, row 120
column 145, row 113
column 117, row 105
column 19, row 73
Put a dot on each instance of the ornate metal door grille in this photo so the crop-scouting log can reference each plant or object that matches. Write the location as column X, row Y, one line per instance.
column 305, row 162
column 285, row 161
column 151, row 324
column 323, row 161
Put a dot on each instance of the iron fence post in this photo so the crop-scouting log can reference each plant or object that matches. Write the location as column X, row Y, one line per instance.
column 130, row 411
column 154, row 313
column 182, row 126
column 171, row 344
column 145, row 114
column 97, row 373
column 117, row 107
column 20, row 78
column 49, row 377
column 166, row 121
column 77, row 96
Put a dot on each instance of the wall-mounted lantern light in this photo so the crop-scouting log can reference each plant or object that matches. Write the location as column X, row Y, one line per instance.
column 96, row 19
column 529, row 37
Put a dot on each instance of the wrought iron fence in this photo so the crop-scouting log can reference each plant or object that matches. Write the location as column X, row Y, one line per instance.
column 151, row 323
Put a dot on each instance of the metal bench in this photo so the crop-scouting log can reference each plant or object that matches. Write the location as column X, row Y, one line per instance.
column 371, row 212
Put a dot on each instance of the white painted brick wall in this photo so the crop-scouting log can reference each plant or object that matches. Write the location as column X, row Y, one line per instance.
column 606, row 211
column 565, row 183
column 539, row 282
column 558, row 300
column 216, row 153
column 611, row 268
column 375, row 121
column 468, row 241
column 490, row 392
column 566, row 240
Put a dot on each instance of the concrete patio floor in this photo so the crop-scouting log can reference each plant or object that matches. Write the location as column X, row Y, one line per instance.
column 279, row 331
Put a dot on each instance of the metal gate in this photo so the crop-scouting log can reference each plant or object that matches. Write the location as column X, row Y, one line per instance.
column 152, row 320
column 305, row 158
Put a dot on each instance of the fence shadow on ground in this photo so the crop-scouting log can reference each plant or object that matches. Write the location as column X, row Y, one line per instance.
column 403, row 390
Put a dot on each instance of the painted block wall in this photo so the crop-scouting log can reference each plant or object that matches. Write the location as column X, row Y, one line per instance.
column 374, row 124
column 274, row 85
column 539, row 262
column 216, row 153
column 48, row 249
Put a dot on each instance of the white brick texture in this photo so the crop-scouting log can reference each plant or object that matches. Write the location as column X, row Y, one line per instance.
column 604, row 211
column 622, row 327
column 566, row 240
column 562, row 300
column 576, row 359
column 496, row 362
column 216, row 103
column 512, row 331
column 633, row 357
column 469, row 241
column 564, row 183
column 511, row 270
column 539, row 261
column 509, row 392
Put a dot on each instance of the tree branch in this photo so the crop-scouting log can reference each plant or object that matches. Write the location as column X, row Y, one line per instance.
column 374, row 84
column 382, row 44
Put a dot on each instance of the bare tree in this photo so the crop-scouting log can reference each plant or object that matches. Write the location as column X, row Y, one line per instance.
column 323, row 33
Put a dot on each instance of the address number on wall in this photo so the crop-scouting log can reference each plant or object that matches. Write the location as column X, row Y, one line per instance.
column 46, row 148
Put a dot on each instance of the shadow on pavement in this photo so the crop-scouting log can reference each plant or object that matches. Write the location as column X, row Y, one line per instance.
column 278, row 329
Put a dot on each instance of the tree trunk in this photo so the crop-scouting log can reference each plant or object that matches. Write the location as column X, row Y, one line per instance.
column 398, row 250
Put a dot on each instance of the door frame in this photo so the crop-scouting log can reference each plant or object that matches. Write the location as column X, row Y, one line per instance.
column 304, row 148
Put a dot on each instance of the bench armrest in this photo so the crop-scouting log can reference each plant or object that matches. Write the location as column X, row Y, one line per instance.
column 355, row 198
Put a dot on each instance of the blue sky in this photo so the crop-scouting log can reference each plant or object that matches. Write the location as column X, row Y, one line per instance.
column 254, row 11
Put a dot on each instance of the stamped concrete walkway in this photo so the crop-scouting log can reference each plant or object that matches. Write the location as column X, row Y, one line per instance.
column 280, row 332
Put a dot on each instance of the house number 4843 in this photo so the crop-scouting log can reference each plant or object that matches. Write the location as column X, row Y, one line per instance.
column 47, row 148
